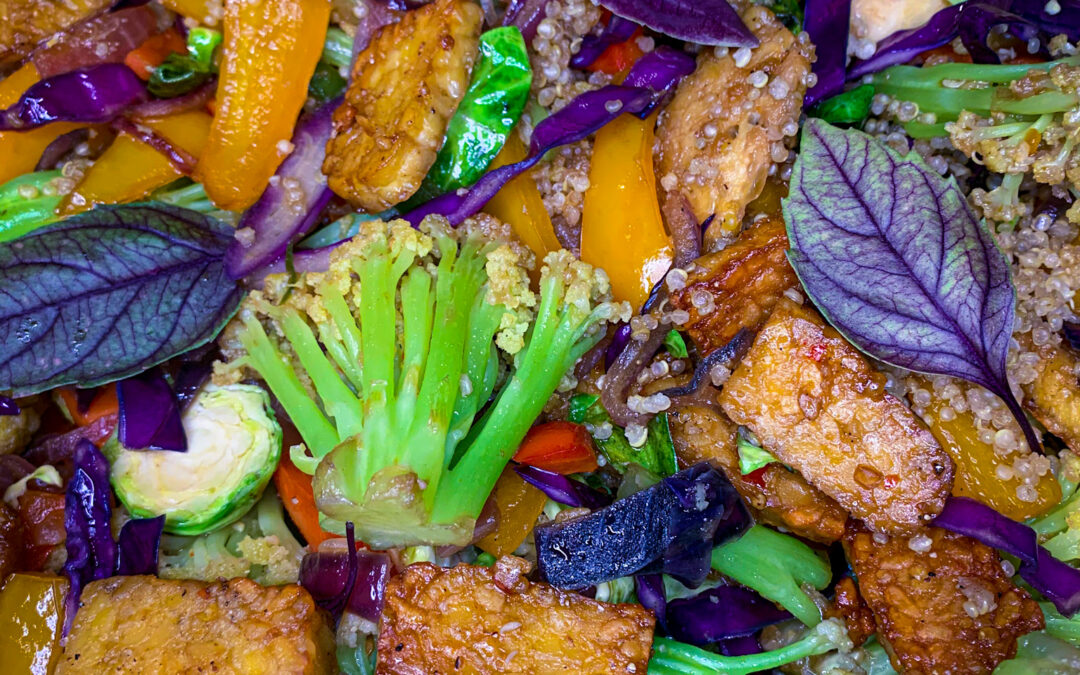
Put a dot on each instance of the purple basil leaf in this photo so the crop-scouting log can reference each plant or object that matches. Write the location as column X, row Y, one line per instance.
column 827, row 23
column 92, row 95
column 649, row 589
column 91, row 551
column 1059, row 582
column 137, row 546
column 149, row 414
column 617, row 30
column 706, row 22
column 893, row 256
column 526, row 15
column 8, row 406
column 275, row 220
column 670, row 527
column 721, row 613
column 561, row 489
column 84, row 299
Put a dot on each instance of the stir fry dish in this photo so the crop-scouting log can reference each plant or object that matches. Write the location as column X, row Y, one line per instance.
column 424, row 337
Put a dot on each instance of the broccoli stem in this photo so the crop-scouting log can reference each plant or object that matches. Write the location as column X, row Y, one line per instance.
column 776, row 566
column 676, row 658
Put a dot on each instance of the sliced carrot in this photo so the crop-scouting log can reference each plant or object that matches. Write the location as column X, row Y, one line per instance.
column 294, row 488
column 562, row 447
column 152, row 53
column 104, row 404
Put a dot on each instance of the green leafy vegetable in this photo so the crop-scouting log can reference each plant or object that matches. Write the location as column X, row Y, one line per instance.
column 893, row 256
column 486, row 116
column 180, row 73
column 485, row 559
column 84, row 299
column 394, row 377
column 201, row 44
column 326, row 83
column 1041, row 654
column 676, row 658
column 675, row 344
column 752, row 456
column 776, row 566
column 657, row 454
column 790, row 13
column 850, row 107
column 26, row 204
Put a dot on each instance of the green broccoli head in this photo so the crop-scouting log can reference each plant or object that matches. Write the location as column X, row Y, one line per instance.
column 385, row 361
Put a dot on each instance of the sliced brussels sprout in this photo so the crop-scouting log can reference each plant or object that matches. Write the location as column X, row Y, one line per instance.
column 234, row 445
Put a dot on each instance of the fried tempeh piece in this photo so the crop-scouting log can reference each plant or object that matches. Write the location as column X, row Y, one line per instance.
column 148, row 625
column 946, row 608
column 777, row 496
column 1054, row 397
column 718, row 135
column 25, row 23
column 406, row 86
column 736, row 287
column 849, row 605
column 471, row 619
column 817, row 404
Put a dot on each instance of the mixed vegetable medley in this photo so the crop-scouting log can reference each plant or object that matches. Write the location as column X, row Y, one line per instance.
column 540, row 336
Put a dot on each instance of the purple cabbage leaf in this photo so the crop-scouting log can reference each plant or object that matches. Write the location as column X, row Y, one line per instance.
column 93, row 95
column 137, row 546
column 706, row 22
column 827, row 22
column 84, row 299
column 351, row 581
column 893, row 256
column 615, row 31
column 719, row 614
column 149, row 414
column 562, row 489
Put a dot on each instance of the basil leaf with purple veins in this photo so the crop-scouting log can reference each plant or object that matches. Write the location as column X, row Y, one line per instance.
column 894, row 258
column 109, row 293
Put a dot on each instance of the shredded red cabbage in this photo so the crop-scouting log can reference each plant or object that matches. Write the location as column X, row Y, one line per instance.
column 275, row 219
column 137, row 546
column 721, row 613
column 106, row 38
column 649, row 589
column 91, row 551
column 827, row 23
column 615, row 31
column 526, row 15
column 149, row 414
column 8, row 406
column 740, row 646
column 1056, row 580
column 706, row 22
column 670, row 528
column 354, row 581
column 562, row 489
column 93, row 95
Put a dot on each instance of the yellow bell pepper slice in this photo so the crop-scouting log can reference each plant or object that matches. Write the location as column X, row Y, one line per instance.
column 31, row 617
column 622, row 230
column 130, row 169
column 270, row 51
column 200, row 10
column 519, row 204
column 519, row 505
column 976, row 467
column 21, row 150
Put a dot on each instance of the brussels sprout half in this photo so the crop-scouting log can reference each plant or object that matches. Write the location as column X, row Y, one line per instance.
column 233, row 448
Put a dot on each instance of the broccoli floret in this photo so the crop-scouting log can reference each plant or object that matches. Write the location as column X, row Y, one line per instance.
column 384, row 363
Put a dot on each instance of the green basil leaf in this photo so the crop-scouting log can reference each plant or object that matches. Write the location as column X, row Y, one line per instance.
column 675, row 344
column 752, row 457
column 850, row 107
column 109, row 293
column 657, row 454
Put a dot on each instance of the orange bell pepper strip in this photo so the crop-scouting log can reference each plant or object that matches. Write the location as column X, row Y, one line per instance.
column 622, row 230
column 298, row 497
column 21, row 150
column 130, row 169
column 270, row 52
column 562, row 447
column 618, row 58
column 519, row 204
column 519, row 505
column 152, row 53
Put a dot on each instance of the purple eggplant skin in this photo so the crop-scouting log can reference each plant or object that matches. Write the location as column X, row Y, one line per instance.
column 670, row 527
column 278, row 218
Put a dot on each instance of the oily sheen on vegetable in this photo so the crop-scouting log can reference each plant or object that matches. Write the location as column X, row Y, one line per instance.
column 895, row 259
column 85, row 297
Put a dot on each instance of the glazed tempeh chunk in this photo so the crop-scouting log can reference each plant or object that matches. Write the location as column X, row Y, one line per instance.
column 817, row 404
column 778, row 496
column 149, row 625
column 941, row 601
column 721, row 133
column 406, row 86
column 471, row 619
column 27, row 22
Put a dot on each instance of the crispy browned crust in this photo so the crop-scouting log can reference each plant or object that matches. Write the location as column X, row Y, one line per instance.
column 849, row 606
column 25, row 23
column 471, row 619
column 782, row 498
column 406, row 86
column 817, row 404
column 149, row 625
column 745, row 280
column 918, row 602
column 716, row 138
column 1054, row 397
